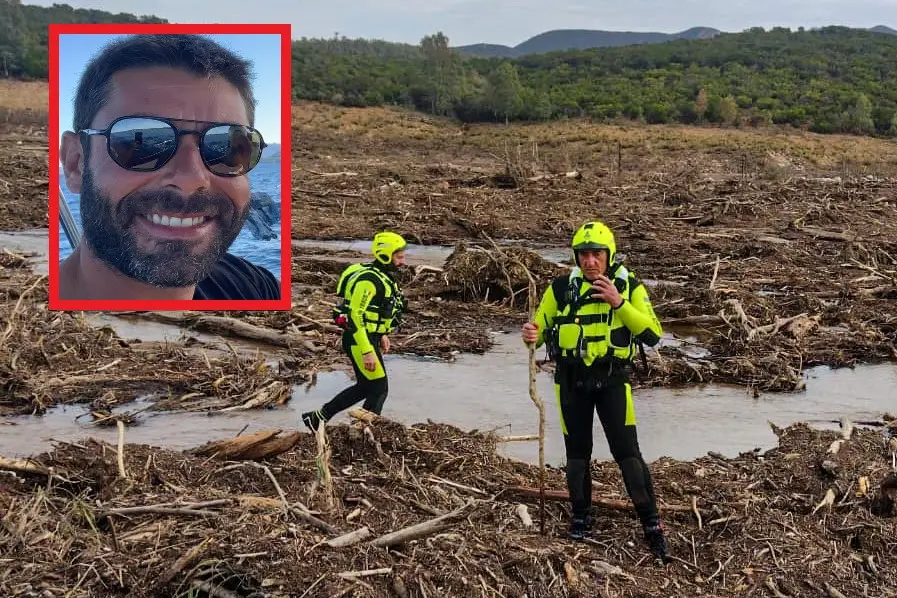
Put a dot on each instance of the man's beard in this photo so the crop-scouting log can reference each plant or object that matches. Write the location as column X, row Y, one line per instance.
column 172, row 263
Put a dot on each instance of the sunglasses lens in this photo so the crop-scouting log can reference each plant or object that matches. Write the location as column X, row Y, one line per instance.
column 232, row 149
column 141, row 143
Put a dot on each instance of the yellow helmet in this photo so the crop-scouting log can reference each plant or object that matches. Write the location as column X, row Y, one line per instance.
column 385, row 245
column 594, row 235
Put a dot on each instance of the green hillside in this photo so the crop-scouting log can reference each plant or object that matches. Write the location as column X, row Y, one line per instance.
column 24, row 36
column 833, row 79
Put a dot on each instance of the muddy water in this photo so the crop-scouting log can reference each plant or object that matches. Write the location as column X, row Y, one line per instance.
column 483, row 392
column 29, row 241
column 491, row 392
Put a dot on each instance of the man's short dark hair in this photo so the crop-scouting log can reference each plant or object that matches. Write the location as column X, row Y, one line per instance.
column 192, row 53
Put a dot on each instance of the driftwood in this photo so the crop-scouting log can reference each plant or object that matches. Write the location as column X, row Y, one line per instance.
column 695, row 320
column 252, row 447
column 420, row 530
column 157, row 510
column 258, row 502
column 362, row 414
column 828, row 235
column 184, row 561
column 353, row 537
column 365, row 573
column 381, row 455
column 274, row 393
column 229, row 327
column 519, row 438
column 23, row 466
column 31, row 467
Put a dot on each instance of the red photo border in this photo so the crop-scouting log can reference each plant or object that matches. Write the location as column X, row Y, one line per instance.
column 285, row 302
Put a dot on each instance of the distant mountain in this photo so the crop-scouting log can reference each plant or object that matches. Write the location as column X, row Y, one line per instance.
column 883, row 29
column 271, row 153
column 581, row 39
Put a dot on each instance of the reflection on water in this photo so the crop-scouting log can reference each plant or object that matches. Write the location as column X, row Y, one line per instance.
column 491, row 392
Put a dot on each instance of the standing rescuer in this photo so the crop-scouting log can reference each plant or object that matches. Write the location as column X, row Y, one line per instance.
column 591, row 322
column 371, row 307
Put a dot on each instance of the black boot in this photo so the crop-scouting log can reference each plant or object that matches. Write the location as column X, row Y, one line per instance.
column 654, row 536
column 312, row 419
column 578, row 529
column 587, row 494
column 580, row 501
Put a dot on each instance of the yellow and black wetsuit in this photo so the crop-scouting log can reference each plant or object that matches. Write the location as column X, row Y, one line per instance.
column 373, row 307
column 592, row 345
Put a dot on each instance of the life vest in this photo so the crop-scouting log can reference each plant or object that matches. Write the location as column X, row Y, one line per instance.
column 383, row 313
column 586, row 329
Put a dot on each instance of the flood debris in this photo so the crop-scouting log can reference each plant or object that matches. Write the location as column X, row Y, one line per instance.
column 502, row 275
column 441, row 514
column 767, row 262
column 23, row 184
column 94, row 365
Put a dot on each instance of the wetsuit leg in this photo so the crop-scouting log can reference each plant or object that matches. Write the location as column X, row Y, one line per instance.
column 376, row 384
column 371, row 386
column 576, row 407
column 617, row 414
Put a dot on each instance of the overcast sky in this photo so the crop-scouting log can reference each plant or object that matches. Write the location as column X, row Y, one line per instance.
column 506, row 22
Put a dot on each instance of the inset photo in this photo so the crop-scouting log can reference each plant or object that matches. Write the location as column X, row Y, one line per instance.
column 170, row 175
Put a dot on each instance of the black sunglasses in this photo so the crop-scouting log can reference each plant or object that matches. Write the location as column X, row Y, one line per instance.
column 147, row 143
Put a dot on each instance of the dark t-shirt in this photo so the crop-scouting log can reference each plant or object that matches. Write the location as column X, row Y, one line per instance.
column 236, row 278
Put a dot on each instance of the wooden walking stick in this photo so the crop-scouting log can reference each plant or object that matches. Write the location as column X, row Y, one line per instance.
column 532, row 304
column 540, row 405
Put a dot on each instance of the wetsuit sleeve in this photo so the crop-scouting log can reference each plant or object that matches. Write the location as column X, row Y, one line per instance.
column 638, row 315
column 545, row 313
column 362, row 295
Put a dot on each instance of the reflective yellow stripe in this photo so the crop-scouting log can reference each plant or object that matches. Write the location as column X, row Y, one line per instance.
column 557, row 396
column 630, row 406
column 358, row 358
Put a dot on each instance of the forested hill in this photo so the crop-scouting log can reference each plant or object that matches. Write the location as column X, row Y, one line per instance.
column 24, row 37
column 581, row 39
column 833, row 79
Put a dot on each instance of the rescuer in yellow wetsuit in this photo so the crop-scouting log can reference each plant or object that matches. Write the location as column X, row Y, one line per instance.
column 371, row 309
column 591, row 322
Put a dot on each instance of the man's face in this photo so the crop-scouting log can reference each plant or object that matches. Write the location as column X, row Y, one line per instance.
column 593, row 262
column 398, row 258
column 127, row 216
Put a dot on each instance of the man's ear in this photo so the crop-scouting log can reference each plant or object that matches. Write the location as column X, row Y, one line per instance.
column 71, row 154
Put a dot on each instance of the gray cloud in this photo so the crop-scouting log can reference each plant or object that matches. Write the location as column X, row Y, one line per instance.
column 507, row 21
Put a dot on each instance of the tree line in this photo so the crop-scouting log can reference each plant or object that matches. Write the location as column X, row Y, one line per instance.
column 827, row 80
column 24, row 38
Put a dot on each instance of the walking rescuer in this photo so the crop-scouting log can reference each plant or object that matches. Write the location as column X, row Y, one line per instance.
column 371, row 308
column 590, row 322
column 162, row 145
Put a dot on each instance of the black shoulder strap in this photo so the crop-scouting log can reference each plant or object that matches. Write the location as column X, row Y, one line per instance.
column 560, row 287
column 634, row 283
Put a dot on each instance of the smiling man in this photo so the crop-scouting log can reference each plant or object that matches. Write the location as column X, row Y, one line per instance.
column 162, row 145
